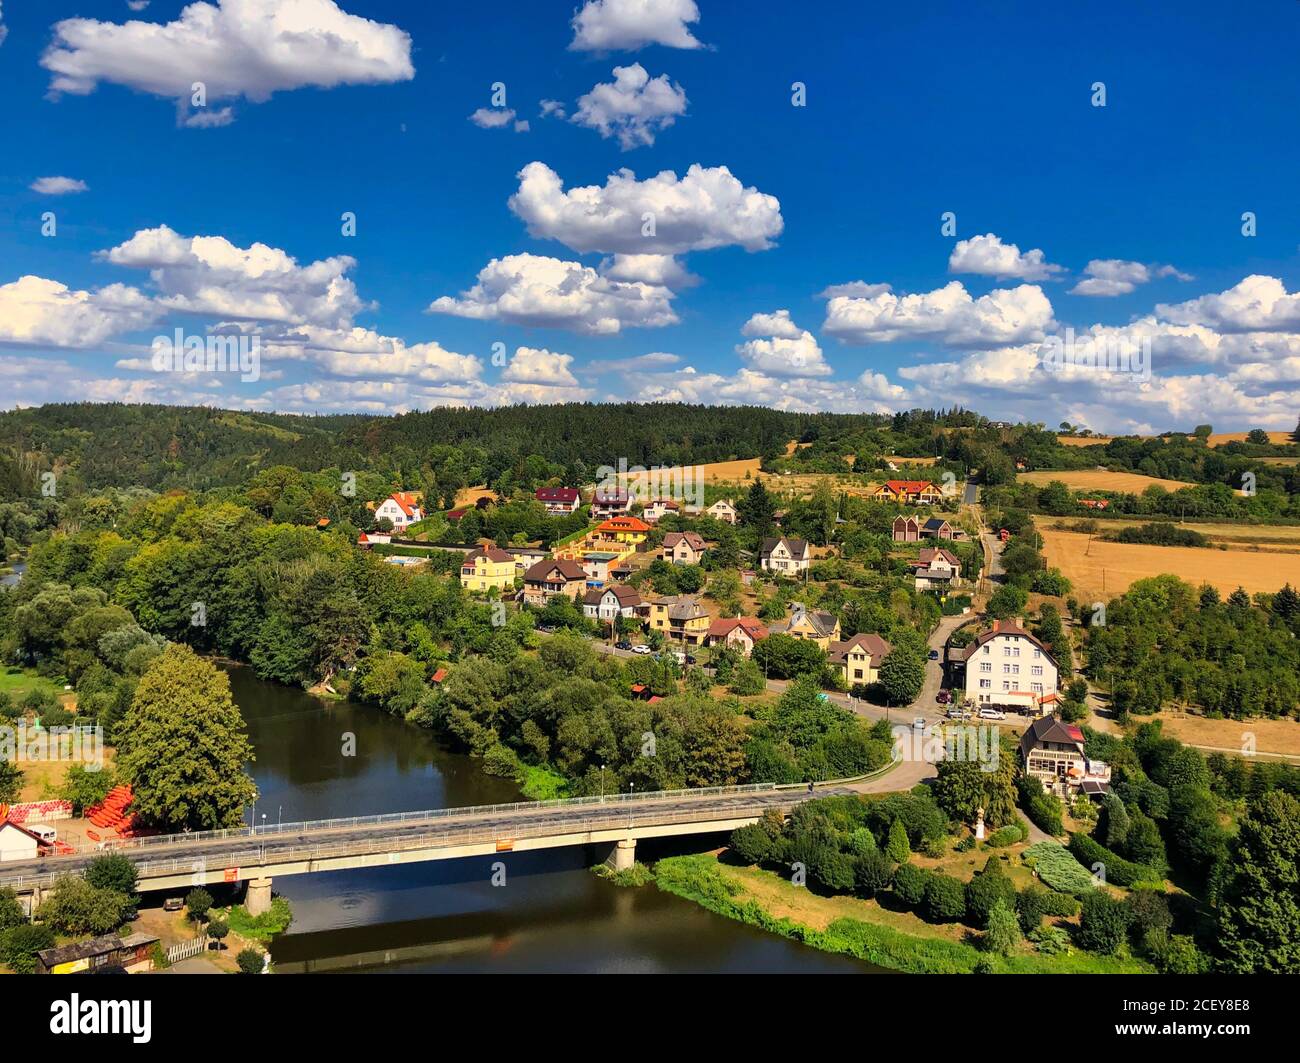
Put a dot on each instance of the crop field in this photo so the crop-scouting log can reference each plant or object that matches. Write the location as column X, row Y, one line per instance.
column 1216, row 440
column 1101, row 570
column 1244, row 536
column 1101, row 480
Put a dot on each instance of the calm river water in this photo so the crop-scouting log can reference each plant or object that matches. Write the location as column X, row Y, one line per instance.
column 553, row 915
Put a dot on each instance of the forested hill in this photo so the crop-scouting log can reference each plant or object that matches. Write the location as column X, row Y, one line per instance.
column 161, row 447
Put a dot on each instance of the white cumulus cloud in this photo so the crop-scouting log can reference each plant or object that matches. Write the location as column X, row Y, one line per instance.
column 628, row 25
column 988, row 256
column 664, row 215
column 246, row 49
column 634, row 107
column 1257, row 303
column 58, row 186
column 35, row 311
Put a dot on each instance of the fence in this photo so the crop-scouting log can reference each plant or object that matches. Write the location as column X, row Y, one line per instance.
column 186, row 949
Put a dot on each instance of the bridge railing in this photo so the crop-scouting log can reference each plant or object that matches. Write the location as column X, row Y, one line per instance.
column 398, row 818
column 270, row 853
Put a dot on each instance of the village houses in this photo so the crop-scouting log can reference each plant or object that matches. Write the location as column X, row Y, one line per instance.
column 908, row 492
column 609, row 500
column 655, row 510
column 681, row 618
column 559, row 501
column 936, row 569
column 607, row 604
column 811, row 624
column 723, row 510
column 1051, row 751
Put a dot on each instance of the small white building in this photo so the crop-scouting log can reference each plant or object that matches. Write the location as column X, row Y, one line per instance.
column 789, row 557
column 608, row 603
column 17, row 843
column 722, row 510
column 936, row 569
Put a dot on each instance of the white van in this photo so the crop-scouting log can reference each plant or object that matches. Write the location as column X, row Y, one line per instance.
column 992, row 714
column 45, row 835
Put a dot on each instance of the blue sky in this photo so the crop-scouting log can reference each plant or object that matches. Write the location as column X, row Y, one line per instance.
column 386, row 110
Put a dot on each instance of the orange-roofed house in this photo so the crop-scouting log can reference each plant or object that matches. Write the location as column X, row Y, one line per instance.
column 402, row 508
column 908, row 492
column 629, row 531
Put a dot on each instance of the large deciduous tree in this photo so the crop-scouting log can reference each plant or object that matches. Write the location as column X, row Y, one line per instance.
column 184, row 747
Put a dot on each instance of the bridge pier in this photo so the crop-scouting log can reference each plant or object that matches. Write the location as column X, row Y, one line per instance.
column 623, row 855
column 258, row 899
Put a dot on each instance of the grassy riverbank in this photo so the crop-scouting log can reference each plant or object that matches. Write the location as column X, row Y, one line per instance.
column 852, row 927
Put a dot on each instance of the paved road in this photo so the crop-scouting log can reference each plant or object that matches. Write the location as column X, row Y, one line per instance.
column 993, row 551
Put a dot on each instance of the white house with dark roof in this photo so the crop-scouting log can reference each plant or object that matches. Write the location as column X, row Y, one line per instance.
column 1008, row 667
column 936, row 569
column 606, row 604
column 1052, row 752
column 787, row 557
column 684, row 548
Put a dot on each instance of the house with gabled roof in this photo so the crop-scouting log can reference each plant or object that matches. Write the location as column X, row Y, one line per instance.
column 1052, row 752
column 607, row 604
column 724, row 510
column 937, row 528
column 488, row 568
column 936, row 569
column 742, row 632
column 906, row 530
column 859, row 658
column 1008, row 667
column 559, row 501
column 681, row 618
column 553, row 578
column 684, row 548
column 659, row 508
column 786, row 557
column 610, row 500
column 908, row 492
column 814, row 625
column 401, row 508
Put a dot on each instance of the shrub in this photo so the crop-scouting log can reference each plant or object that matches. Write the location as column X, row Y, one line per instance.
column 112, row 872
column 1103, row 923
column 249, row 961
column 218, row 929
column 1011, row 834
column 872, row 873
column 198, row 902
column 501, row 762
column 909, row 884
column 897, row 847
column 1148, row 910
column 1050, row 940
column 20, row 944
column 987, row 888
column 1057, row 868
column 1003, row 931
column 1174, row 954
column 1117, row 870
column 1030, row 908
column 752, row 843
column 1043, row 809
column 945, row 899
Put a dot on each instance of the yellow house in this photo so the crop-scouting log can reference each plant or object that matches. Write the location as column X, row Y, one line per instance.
column 681, row 619
column 859, row 659
column 488, row 567
column 629, row 530
column 811, row 624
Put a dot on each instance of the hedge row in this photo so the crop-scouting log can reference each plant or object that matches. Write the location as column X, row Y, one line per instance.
column 1116, row 870
column 1057, row 868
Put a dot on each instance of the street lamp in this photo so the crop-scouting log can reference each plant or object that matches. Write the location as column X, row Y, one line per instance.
column 602, row 782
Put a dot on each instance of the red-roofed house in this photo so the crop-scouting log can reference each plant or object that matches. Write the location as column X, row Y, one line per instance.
column 1051, row 751
column 743, row 632
column 610, row 501
column 402, row 508
column 936, row 569
column 909, row 492
column 559, row 501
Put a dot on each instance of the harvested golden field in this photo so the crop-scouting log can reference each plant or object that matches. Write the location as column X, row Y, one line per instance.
column 1276, row 438
column 732, row 470
column 467, row 496
column 1101, row 480
column 1083, row 441
column 1256, row 536
column 1270, row 736
column 1100, row 570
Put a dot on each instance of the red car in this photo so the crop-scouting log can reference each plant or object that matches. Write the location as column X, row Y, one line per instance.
column 943, row 697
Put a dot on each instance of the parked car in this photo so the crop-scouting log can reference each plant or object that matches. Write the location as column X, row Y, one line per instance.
column 173, row 904
column 642, row 649
column 955, row 713
column 934, row 655
column 918, row 724
column 623, row 644
column 992, row 714
column 943, row 697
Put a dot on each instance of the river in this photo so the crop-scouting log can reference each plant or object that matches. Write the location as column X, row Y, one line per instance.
column 552, row 915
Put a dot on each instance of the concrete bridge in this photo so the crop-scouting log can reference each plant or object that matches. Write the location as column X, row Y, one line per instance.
column 256, row 855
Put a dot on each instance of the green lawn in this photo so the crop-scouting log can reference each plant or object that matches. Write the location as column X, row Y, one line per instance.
column 17, row 682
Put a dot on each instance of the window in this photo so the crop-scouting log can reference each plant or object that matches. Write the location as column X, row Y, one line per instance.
column 985, row 666
column 985, row 684
column 1006, row 685
column 1036, row 670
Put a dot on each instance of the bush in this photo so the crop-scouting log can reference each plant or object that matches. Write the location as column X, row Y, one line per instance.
column 909, row 884
column 1057, row 868
column 752, row 844
column 1043, row 809
column 989, row 887
column 1174, row 954
column 897, row 847
column 501, row 761
column 1103, row 923
column 1003, row 931
column 20, row 944
column 1116, row 870
column 1011, row 834
column 945, row 899
column 74, row 906
column 1148, row 910
column 218, row 929
column 1030, row 908
column 112, row 872
column 872, row 873
column 249, row 961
